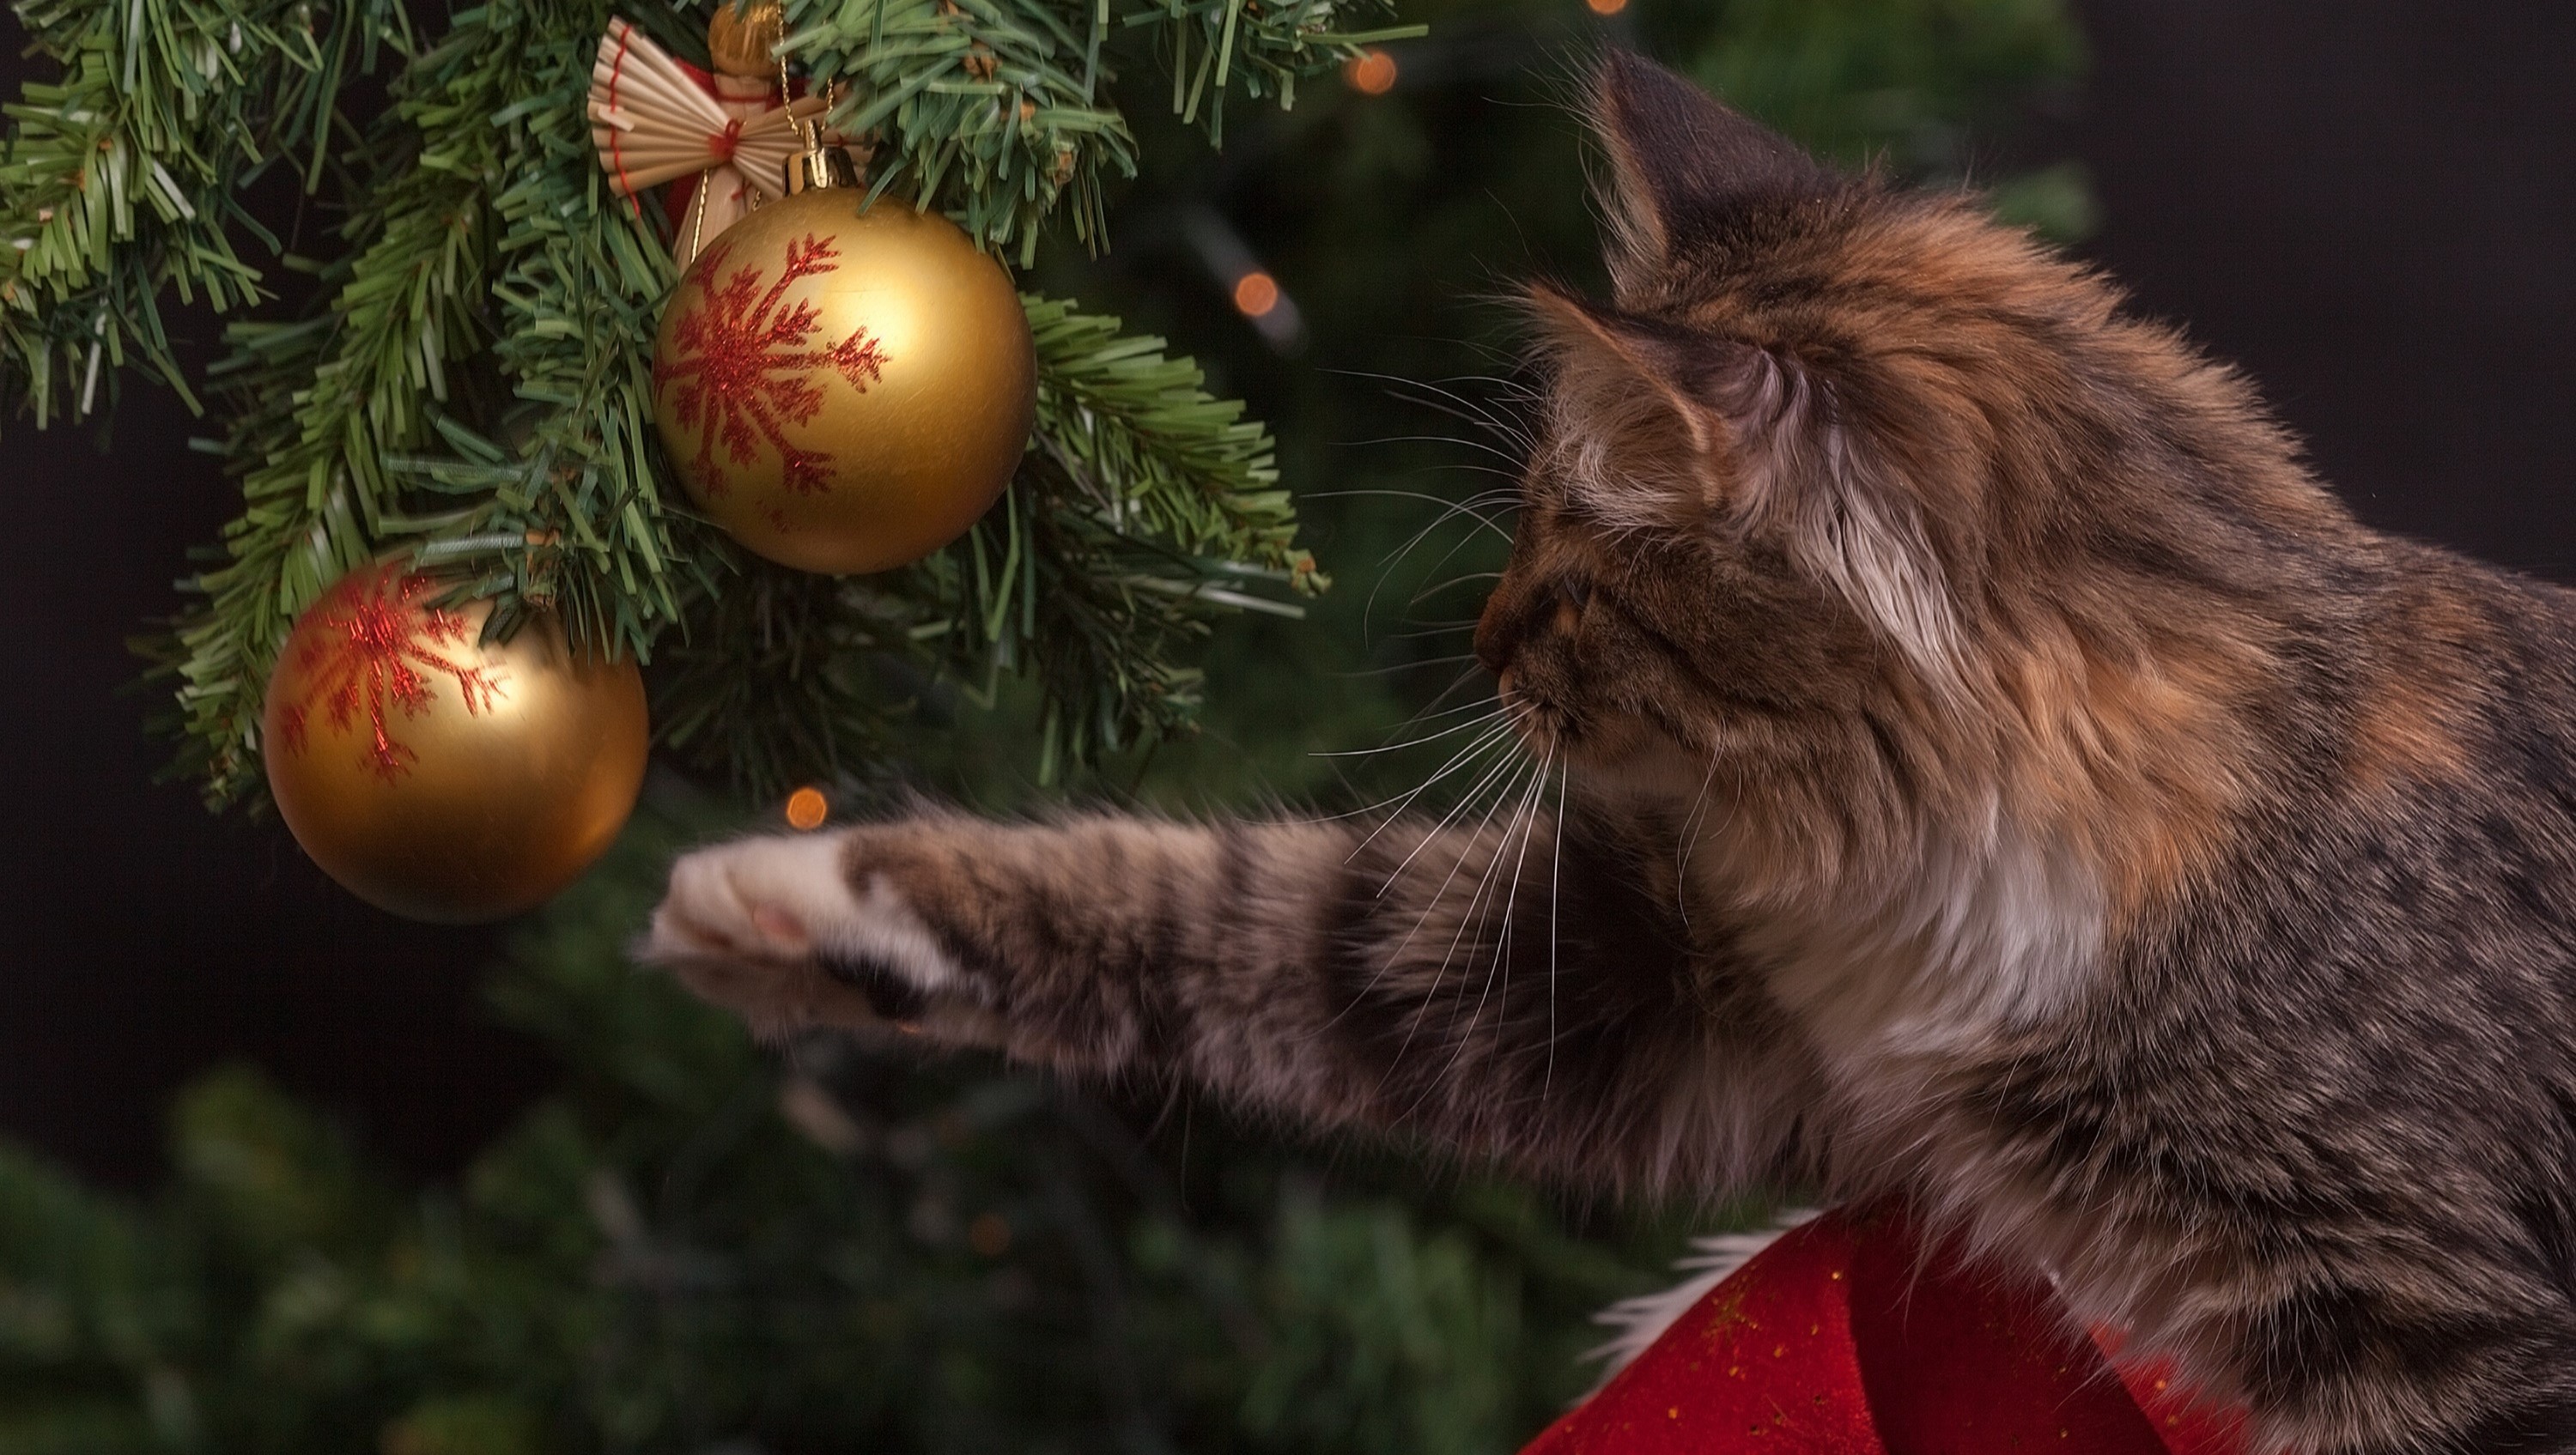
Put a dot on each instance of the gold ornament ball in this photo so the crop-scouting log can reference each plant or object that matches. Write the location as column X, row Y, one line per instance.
column 844, row 391
column 439, row 777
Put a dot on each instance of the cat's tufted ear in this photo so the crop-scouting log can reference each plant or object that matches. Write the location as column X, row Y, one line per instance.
column 1683, row 165
column 1625, row 378
column 1671, row 431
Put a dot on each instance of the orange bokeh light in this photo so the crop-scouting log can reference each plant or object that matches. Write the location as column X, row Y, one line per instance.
column 1372, row 74
column 1256, row 294
column 1606, row 7
column 807, row 808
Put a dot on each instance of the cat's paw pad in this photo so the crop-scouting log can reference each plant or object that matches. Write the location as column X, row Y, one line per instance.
column 757, row 899
column 748, row 924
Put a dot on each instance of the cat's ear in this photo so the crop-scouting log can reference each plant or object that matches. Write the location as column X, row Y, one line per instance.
column 1671, row 431
column 1620, row 376
column 1682, row 164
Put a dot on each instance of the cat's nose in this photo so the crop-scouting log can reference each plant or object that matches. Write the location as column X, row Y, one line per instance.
column 1505, row 622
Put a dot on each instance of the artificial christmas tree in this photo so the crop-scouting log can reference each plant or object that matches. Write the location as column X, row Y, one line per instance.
column 470, row 378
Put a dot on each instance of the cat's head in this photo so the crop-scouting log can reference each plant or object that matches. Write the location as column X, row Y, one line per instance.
column 1854, row 498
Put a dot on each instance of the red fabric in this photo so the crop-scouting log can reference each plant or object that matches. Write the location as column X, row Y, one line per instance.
column 1841, row 1338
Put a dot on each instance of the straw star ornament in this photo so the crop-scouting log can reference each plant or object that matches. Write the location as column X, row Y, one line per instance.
column 656, row 118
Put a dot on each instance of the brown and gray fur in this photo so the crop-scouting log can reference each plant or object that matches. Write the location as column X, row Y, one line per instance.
column 1995, row 773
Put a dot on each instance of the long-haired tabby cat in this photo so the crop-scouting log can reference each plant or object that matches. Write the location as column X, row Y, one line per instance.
column 1996, row 774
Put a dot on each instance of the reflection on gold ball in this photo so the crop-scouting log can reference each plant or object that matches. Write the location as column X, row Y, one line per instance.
column 844, row 391
column 740, row 37
column 437, row 777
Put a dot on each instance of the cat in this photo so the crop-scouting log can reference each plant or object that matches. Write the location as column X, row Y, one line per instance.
column 1995, row 773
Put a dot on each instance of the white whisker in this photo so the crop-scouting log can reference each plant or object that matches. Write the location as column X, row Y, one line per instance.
column 1391, row 669
column 1497, row 451
column 1502, row 963
column 1448, row 508
column 1511, row 762
column 1433, row 989
column 1555, row 901
column 1450, row 584
column 1497, row 711
column 1682, row 849
column 1368, row 607
column 1493, row 735
column 1458, row 406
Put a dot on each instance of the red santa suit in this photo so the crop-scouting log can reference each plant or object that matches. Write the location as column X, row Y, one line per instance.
column 1846, row 1337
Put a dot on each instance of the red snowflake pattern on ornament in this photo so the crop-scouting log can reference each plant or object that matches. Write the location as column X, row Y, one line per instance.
column 741, row 367
column 362, row 648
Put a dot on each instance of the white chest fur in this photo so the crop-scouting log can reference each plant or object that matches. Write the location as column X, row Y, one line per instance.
column 1958, row 939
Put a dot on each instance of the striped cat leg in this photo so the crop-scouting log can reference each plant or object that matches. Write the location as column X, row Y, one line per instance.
column 1490, row 990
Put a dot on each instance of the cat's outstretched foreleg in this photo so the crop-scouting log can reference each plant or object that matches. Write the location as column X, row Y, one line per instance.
column 1504, row 992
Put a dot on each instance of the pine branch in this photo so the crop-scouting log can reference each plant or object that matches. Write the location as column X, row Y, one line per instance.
column 782, row 678
column 122, row 180
column 1145, row 507
column 327, row 405
column 999, row 107
column 571, row 517
column 1268, row 47
column 1134, row 434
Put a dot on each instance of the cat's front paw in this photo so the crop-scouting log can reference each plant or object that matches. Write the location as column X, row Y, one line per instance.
column 773, row 929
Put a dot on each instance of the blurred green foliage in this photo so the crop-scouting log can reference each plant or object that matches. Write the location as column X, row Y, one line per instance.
column 700, row 1247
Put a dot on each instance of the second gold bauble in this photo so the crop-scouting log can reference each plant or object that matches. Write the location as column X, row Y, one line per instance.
column 844, row 390
column 438, row 775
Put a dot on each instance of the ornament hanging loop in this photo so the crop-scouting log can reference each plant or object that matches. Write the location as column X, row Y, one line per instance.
column 820, row 167
column 817, row 166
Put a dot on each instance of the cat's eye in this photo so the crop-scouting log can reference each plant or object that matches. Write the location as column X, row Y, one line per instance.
column 1577, row 594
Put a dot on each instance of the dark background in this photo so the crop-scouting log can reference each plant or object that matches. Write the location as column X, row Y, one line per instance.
column 2372, row 206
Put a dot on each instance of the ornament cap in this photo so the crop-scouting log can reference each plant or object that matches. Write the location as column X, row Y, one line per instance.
column 819, row 167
